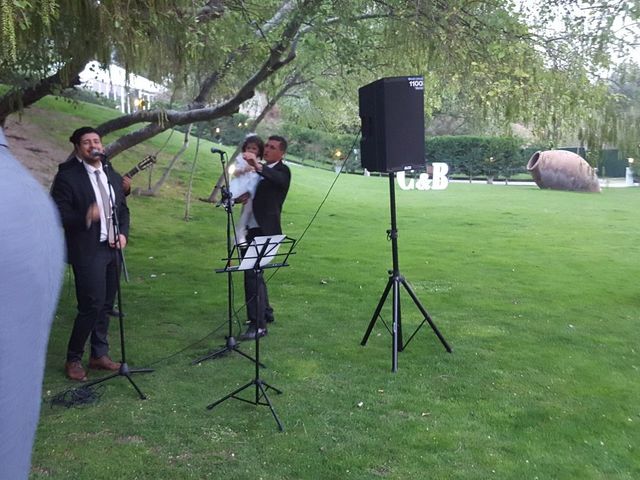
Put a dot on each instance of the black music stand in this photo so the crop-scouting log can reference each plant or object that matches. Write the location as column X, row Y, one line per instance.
column 260, row 255
column 395, row 280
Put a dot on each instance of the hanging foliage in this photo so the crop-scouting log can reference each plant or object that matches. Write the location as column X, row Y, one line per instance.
column 484, row 58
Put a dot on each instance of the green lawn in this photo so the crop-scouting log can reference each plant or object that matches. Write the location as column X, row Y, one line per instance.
column 536, row 291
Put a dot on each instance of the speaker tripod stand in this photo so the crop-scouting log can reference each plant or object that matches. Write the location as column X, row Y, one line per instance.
column 393, row 285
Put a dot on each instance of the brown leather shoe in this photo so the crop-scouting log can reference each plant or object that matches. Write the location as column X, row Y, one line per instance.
column 75, row 371
column 103, row 363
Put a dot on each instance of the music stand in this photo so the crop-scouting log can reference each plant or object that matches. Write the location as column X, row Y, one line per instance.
column 393, row 284
column 260, row 255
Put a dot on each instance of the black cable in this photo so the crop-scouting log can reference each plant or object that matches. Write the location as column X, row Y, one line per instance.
column 315, row 215
column 74, row 397
column 344, row 162
column 170, row 356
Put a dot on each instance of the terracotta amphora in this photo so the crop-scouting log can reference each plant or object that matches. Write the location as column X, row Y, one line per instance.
column 562, row 170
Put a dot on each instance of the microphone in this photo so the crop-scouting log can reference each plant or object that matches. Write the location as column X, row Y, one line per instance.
column 217, row 150
column 102, row 156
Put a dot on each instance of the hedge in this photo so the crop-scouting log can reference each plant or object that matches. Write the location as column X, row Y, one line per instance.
column 477, row 156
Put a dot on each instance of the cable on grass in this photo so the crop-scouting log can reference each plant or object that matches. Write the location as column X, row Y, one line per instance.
column 315, row 215
column 75, row 397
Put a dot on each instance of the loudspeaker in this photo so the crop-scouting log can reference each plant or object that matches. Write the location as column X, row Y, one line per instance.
column 392, row 115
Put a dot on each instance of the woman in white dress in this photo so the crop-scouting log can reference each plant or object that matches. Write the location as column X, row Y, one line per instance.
column 245, row 180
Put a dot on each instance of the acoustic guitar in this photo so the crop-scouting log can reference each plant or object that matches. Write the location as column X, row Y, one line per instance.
column 147, row 162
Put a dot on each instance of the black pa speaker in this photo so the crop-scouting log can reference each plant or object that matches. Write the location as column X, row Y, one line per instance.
column 392, row 115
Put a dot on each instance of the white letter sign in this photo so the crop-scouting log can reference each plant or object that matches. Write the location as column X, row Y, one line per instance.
column 439, row 181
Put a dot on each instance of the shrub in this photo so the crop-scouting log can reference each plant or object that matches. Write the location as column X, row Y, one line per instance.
column 82, row 95
column 471, row 155
column 310, row 144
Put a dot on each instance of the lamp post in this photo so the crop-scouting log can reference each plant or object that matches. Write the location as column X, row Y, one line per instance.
column 337, row 166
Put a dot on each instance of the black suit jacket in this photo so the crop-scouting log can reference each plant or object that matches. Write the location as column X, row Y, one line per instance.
column 270, row 195
column 73, row 194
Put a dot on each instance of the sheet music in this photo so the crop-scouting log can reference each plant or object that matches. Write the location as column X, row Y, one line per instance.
column 273, row 243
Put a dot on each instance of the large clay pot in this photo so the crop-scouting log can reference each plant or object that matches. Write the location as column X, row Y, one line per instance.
column 562, row 170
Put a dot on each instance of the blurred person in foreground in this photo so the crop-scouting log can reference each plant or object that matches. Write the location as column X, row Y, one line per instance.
column 31, row 272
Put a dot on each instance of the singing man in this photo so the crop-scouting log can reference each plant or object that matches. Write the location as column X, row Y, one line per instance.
column 90, row 199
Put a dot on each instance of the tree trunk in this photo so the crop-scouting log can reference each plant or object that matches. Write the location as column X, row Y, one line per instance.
column 187, row 214
column 281, row 53
column 68, row 76
column 153, row 190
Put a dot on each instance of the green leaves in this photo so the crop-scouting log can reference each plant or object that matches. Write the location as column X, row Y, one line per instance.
column 7, row 31
column 482, row 60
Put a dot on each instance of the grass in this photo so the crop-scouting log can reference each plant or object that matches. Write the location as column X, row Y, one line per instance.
column 536, row 291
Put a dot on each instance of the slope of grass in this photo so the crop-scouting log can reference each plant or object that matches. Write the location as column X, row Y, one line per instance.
column 535, row 290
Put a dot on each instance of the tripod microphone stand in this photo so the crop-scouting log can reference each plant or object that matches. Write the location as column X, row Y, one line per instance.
column 124, row 370
column 231, row 344
column 395, row 280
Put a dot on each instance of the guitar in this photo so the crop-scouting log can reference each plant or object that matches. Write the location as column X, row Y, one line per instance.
column 147, row 162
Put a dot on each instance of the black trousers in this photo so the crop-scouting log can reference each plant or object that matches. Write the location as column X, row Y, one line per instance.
column 96, row 285
column 255, row 292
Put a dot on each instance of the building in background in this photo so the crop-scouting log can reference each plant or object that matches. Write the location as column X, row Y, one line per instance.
column 130, row 92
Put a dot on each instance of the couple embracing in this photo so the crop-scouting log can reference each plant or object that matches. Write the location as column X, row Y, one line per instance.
column 262, row 189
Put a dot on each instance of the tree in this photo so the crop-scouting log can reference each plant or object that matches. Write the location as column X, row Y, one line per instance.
column 625, row 86
column 216, row 54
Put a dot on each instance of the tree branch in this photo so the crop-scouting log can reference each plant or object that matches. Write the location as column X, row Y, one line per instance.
column 17, row 99
column 162, row 120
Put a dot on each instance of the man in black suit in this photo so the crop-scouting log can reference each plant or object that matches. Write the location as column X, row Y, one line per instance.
column 267, row 207
column 86, row 201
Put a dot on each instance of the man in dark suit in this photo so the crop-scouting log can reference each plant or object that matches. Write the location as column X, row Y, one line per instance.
column 267, row 207
column 87, row 194
column 126, row 187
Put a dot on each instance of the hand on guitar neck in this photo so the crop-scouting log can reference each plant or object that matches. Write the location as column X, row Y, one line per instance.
column 126, row 185
column 126, row 178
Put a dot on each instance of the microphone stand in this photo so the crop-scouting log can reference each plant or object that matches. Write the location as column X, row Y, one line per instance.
column 231, row 344
column 124, row 370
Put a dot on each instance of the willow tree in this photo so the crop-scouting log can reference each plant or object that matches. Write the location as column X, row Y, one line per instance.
column 218, row 52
